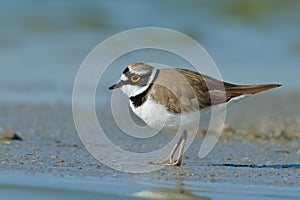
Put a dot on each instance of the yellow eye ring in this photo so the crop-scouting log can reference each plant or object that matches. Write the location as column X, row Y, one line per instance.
column 135, row 78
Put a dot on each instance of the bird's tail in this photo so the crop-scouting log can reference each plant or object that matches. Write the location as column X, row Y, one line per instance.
column 238, row 90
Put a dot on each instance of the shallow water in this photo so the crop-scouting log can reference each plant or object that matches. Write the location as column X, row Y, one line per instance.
column 43, row 44
column 28, row 187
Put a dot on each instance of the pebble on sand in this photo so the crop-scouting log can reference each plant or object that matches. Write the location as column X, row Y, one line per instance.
column 10, row 136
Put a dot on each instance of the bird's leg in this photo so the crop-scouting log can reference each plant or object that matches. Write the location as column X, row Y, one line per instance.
column 180, row 154
column 169, row 160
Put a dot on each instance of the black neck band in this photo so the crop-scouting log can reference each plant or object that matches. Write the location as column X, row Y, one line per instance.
column 139, row 99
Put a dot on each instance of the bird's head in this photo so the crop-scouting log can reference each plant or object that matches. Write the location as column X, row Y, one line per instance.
column 135, row 79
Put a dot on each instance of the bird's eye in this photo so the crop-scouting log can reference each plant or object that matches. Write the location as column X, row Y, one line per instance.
column 135, row 78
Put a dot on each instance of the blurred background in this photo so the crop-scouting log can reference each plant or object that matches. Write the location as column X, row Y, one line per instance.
column 43, row 43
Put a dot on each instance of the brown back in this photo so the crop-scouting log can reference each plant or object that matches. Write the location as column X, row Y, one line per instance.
column 193, row 91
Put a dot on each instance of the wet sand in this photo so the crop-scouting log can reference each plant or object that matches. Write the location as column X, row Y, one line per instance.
column 249, row 152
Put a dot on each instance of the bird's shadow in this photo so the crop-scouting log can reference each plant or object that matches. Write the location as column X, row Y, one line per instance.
column 274, row 166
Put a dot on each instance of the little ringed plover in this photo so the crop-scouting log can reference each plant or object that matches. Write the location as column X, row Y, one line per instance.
column 160, row 96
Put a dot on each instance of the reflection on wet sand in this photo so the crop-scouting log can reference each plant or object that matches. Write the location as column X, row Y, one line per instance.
column 169, row 193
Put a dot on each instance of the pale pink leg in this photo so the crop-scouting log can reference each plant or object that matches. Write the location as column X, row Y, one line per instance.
column 169, row 160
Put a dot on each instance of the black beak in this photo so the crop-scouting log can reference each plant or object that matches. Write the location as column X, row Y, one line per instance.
column 115, row 86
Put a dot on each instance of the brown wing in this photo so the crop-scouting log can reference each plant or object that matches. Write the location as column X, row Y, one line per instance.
column 183, row 90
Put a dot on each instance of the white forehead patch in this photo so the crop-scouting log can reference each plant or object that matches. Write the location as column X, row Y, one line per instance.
column 123, row 77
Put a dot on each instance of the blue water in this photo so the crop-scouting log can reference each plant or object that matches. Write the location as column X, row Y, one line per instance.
column 28, row 187
column 42, row 44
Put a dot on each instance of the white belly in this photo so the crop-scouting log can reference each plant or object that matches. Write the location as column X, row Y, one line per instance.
column 158, row 117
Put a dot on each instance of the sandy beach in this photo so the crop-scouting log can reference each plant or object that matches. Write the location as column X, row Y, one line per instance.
column 43, row 46
column 259, row 153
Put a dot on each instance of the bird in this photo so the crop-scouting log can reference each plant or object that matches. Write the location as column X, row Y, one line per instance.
column 161, row 96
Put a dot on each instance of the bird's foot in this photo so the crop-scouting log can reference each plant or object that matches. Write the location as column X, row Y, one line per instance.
column 174, row 163
column 164, row 161
column 168, row 162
